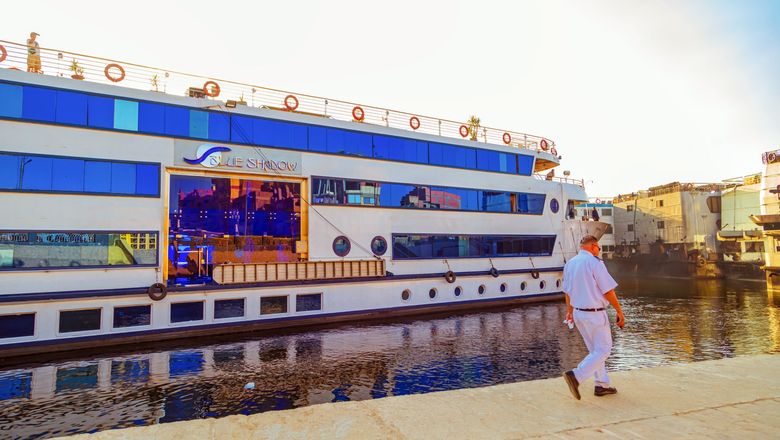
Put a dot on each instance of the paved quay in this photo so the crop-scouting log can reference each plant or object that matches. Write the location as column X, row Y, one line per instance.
column 726, row 398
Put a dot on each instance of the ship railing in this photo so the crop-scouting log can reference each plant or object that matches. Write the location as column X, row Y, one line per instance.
column 297, row 271
column 60, row 63
column 578, row 182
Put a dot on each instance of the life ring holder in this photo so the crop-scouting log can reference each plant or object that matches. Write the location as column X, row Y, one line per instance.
column 450, row 276
column 507, row 138
column 3, row 53
column 358, row 113
column 414, row 122
column 107, row 72
column 535, row 274
column 211, row 88
column 290, row 103
column 157, row 291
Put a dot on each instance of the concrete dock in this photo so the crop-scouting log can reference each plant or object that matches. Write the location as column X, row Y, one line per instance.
column 727, row 398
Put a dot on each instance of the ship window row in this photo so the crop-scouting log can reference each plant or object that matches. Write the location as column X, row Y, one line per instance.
column 436, row 246
column 81, row 109
column 62, row 174
column 331, row 191
column 82, row 320
column 24, row 250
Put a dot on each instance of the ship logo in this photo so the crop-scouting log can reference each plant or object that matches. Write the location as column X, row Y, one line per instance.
column 207, row 155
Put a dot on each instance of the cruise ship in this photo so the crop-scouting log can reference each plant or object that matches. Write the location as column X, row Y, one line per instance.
column 143, row 204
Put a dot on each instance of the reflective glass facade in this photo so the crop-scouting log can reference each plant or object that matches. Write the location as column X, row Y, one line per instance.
column 223, row 220
column 62, row 174
column 334, row 191
column 434, row 246
column 21, row 250
column 41, row 104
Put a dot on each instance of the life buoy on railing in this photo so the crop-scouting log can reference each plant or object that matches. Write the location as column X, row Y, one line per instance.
column 414, row 122
column 358, row 114
column 507, row 138
column 3, row 53
column 211, row 88
column 770, row 158
column 116, row 79
column 494, row 272
column 290, row 102
column 157, row 291
column 554, row 152
column 450, row 276
column 535, row 274
column 464, row 131
column 700, row 262
column 544, row 144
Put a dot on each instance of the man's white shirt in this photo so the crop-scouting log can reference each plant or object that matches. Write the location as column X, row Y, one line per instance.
column 586, row 280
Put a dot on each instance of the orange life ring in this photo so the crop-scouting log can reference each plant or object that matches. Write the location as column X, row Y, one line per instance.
column 290, row 102
column 771, row 157
column 3, row 53
column 464, row 131
column 211, row 88
column 543, row 143
column 554, row 151
column 116, row 79
column 358, row 114
column 414, row 122
column 507, row 138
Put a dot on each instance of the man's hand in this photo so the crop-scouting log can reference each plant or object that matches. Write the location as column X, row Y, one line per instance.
column 621, row 320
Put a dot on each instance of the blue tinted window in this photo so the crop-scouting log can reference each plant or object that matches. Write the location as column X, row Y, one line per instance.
column 318, row 139
column 177, row 121
column 219, row 127
column 101, row 112
column 151, row 118
column 71, row 108
column 39, row 104
column 488, row 160
column 67, row 175
column 308, row 302
column 530, row 203
column 35, row 172
column 125, row 115
column 132, row 316
column 9, row 171
column 187, row 311
column 421, row 246
column 396, row 195
column 10, row 101
column 199, row 124
column 407, row 150
column 279, row 134
column 452, row 156
column 15, row 326
column 228, row 308
column 147, row 179
column 241, row 129
column 525, row 164
column 123, row 178
column 347, row 142
column 97, row 176
column 494, row 201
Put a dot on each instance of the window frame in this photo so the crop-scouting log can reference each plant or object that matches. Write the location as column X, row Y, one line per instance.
column 120, row 306
column 470, row 245
column 79, row 332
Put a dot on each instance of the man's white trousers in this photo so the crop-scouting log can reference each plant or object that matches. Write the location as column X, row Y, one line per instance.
column 594, row 328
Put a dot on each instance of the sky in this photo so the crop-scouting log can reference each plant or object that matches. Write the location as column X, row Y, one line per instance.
column 634, row 93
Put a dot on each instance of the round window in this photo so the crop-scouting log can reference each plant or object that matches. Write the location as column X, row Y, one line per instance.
column 523, row 285
column 558, row 283
column 379, row 245
column 458, row 291
column 406, row 294
column 432, row 293
column 341, row 246
column 503, row 287
column 481, row 289
column 554, row 206
column 542, row 285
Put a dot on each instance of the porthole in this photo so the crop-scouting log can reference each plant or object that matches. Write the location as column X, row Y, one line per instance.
column 341, row 246
column 406, row 294
column 458, row 291
column 432, row 294
column 379, row 245
column 558, row 283
column 503, row 287
column 481, row 289
column 542, row 284
column 554, row 205
column 523, row 285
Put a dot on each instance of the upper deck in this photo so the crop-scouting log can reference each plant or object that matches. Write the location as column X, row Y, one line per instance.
column 122, row 79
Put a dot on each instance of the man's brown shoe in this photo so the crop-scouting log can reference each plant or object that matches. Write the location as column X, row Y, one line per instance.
column 603, row 391
column 571, row 381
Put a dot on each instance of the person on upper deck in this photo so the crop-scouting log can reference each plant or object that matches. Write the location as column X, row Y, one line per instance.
column 589, row 288
column 594, row 214
column 33, row 54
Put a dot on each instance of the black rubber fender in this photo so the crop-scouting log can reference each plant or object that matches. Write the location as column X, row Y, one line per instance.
column 535, row 274
column 450, row 276
column 157, row 291
column 494, row 272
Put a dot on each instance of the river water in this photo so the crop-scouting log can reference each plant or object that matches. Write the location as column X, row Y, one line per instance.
column 669, row 321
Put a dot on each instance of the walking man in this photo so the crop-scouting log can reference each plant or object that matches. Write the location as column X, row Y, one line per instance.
column 589, row 288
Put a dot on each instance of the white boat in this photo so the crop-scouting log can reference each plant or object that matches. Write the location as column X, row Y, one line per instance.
column 134, row 215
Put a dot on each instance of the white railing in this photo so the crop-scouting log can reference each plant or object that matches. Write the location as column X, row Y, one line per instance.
column 578, row 182
column 96, row 69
